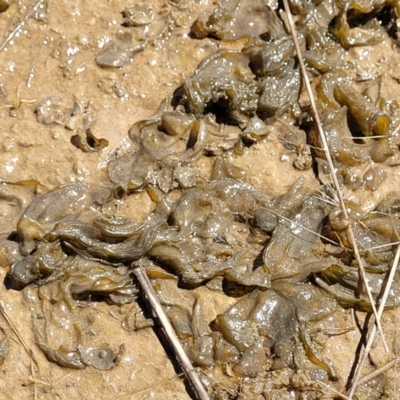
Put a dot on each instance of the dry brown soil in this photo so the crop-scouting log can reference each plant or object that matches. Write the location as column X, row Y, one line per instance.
column 53, row 54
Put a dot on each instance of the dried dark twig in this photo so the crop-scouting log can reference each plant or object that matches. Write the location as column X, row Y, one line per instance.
column 360, row 366
column 332, row 171
column 169, row 331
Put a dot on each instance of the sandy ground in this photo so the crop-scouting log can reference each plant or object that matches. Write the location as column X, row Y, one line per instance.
column 53, row 54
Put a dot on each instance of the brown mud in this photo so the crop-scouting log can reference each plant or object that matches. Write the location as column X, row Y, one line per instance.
column 52, row 58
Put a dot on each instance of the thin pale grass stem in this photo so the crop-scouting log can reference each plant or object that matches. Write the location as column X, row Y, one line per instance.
column 341, row 395
column 324, row 199
column 33, row 375
column 54, row 388
column 305, row 228
column 16, row 332
column 290, row 127
column 281, row 141
column 17, row 101
column 152, row 386
column 396, row 365
column 32, row 66
column 61, row 379
column 363, row 138
column 395, row 130
column 395, row 382
column 332, row 192
column 219, row 383
column 147, row 288
column 32, row 379
column 20, row 25
column 238, row 6
column 324, row 196
column 329, row 186
column 371, row 337
column 332, row 331
column 365, row 379
column 8, row 395
column 332, row 171
column 381, row 246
